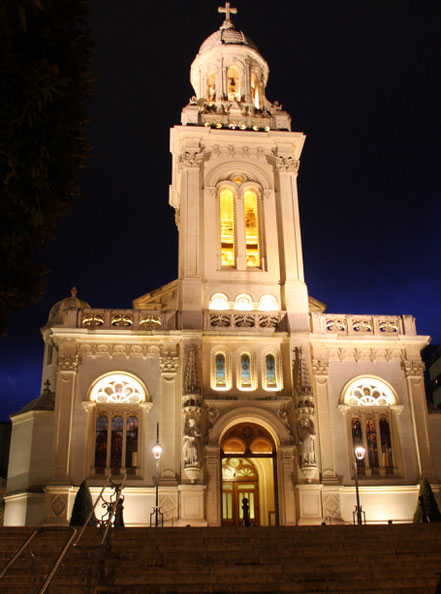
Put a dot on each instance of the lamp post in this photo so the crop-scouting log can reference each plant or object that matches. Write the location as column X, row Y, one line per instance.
column 157, row 451
column 359, row 453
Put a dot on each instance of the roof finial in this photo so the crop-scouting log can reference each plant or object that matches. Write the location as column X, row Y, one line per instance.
column 73, row 291
column 227, row 11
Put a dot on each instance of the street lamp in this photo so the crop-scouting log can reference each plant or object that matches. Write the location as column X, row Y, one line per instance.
column 359, row 455
column 157, row 451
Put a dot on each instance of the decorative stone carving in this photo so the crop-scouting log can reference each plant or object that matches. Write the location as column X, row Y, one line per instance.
column 58, row 505
column 305, row 413
column 169, row 364
column 331, row 506
column 320, row 368
column 191, row 448
column 287, row 164
column 68, row 362
column 413, row 368
column 190, row 160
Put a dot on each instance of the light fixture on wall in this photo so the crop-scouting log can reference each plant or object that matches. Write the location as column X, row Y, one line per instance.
column 359, row 453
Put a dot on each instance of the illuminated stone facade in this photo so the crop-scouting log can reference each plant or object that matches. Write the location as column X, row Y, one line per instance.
column 249, row 378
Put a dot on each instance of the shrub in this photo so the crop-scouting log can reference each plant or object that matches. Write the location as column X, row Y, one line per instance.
column 432, row 510
column 82, row 507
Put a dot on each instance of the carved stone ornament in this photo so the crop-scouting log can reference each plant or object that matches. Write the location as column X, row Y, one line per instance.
column 68, row 362
column 169, row 364
column 413, row 368
column 320, row 367
column 190, row 160
column 287, row 164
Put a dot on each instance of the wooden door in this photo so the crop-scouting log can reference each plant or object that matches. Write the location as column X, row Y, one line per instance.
column 233, row 494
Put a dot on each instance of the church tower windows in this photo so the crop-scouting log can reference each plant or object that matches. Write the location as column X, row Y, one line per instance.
column 255, row 91
column 220, row 372
column 271, row 371
column 233, row 89
column 246, row 371
column 211, row 91
column 243, row 235
column 251, row 222
column 227, row 238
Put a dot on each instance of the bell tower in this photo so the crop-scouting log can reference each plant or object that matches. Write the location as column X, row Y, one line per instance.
column 234, row 188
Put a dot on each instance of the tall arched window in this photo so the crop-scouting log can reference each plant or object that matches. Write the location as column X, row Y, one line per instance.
column 226, row 199
column 211, row 91
column 220, row 372
column 233, row 83
column 272, row 379
column 371, row 404
column 251, row 224
column 117, row 398
column 255, row 91
column 246, row 371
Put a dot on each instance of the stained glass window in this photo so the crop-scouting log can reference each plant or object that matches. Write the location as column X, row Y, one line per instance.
column 271, row 380
column 228, row 257
column 251, row 229
column 220, row 370
column 131, row 443
column 116, row 442
column 101, row 443
column 371, row 438
column 386, row 444
column 245, row 371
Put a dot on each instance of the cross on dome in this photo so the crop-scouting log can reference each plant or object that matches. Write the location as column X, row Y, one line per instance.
column 227, row 10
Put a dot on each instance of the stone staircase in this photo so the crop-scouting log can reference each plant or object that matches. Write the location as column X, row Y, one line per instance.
column 399, row 558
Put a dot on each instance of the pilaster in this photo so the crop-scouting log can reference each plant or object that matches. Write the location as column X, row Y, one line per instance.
column 286, row 469
column 414, row 373
column 212, row 461
column 169, row 365
column 64, row 401
column 320, row 372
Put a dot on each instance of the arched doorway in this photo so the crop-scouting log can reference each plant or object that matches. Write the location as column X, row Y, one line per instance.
column 248, row 470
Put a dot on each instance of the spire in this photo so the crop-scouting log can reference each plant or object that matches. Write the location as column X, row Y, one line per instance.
column 302, row 379
column 191, row 380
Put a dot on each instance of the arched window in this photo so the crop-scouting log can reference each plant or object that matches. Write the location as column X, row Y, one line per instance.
column 233, row 83
column 246, row 371
column 271, row 371
column 255, row 91
column 371, row 403
column 117, row 398
column 251, row 224
column 226, row 199
column 219, row 301
column 211, row 91
column 220, row 372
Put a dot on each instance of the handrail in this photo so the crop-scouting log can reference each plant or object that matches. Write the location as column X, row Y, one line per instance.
column 74, row 538
column 48, row 577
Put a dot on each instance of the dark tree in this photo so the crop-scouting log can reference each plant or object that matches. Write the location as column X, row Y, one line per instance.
column 82, row 507
column 431, row 507
column 45, row 85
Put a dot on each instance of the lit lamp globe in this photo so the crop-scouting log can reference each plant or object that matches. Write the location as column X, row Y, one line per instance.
column 157, row 450
column 360, row 452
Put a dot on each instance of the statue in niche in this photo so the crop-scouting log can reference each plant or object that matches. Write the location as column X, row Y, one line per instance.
column 306, row 435
column 191, row 445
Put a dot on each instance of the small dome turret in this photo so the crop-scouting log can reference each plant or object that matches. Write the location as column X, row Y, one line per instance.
column 69, row 303
column 229, row 77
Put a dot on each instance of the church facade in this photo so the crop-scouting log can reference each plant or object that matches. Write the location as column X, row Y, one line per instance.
column 257, row 391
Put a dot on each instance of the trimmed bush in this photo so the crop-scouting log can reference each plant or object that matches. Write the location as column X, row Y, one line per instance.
column 82, row 507
column 432, row 511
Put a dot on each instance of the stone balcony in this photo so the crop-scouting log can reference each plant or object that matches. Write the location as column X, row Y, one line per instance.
column 244, row 320
column 120, row 319
column 381, row 326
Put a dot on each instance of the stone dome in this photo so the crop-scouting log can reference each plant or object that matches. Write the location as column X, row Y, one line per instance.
column 227, row 34
column 72, row 302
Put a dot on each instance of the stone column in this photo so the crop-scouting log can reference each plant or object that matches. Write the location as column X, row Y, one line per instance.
column 64, row 400
column 212, row 460
column 320, row 371
column 287, row 501
column 414, row 372
column 169, row 425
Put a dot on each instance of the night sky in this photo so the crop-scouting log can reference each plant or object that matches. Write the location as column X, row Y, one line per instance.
column 360, row 79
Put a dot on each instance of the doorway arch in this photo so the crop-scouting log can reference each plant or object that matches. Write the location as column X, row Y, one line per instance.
column 248, row 470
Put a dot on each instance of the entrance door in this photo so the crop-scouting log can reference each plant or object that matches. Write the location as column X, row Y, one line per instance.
column 232, row 497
